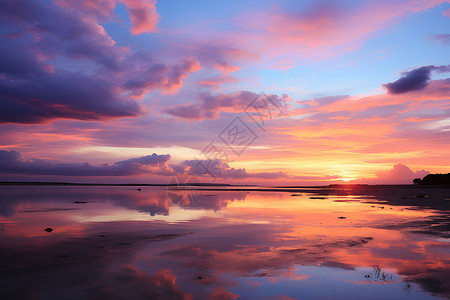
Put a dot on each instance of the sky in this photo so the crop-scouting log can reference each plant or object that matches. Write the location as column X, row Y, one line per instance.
column 241, row 92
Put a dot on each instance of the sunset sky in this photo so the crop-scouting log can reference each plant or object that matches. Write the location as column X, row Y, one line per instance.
column 140, row 91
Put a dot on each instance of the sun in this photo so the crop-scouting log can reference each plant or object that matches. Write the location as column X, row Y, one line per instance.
column 346, row 176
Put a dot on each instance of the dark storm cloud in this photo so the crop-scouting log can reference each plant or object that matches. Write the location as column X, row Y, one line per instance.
column 414, row 80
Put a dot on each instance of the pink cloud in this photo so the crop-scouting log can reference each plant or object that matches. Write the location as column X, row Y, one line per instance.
column 324, row 30
column 146, row 76
column 209, row 106
column 179, row 73
column 399, row 174
column 143, row 14
column 216, row 82
column 101, row 9
column 432, row 96
column 39, row 82
column 226, row 68
column 221, row 294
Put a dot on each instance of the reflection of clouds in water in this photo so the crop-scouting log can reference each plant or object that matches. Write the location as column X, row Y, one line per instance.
column 205, row 199
column 131, row 283
column 152, row 201
column 220, row 244
column 80, row 268
column 255, row 261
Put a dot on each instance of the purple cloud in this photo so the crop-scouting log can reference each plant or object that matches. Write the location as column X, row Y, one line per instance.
column 36, row 98
column 54, row 61
column 219, row 169
column 444, row 39
column 413, row 80
column 13, row 162
column 158, row 75
column 209, row 105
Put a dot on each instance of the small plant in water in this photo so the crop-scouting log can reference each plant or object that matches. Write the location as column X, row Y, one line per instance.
column 379, row 274
column 376, row 270
column 406, row 285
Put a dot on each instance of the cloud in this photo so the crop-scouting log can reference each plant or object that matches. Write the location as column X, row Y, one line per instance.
column 52, row 31
column 144, row 79
column 399, row 174
column 446, row 13
column 322, row 29
column 221, row 294
column 40, row 97
column 209, row 106
column 413, row 80
column 219, row 169
column 444, row 39
column 225, row 68
column 180, row 72
column 13, row 162
column 58, row 62
column 215, row 55
column 215, row 83
column 142, row 13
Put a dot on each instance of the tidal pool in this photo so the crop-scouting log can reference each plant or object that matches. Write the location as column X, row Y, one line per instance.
column 113, row 242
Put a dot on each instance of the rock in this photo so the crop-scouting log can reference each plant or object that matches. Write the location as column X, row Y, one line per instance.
column 342, row 217
column 80, row 202
column 139, row 190
column 48, row 229
column 293, row 195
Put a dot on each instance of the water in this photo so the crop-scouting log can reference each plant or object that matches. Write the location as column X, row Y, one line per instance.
column 118, row 242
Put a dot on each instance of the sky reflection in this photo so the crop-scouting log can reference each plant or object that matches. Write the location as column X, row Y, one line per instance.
column 266, row 245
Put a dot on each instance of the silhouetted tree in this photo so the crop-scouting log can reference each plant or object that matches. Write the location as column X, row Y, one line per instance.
column 434, row 179
column 417, row 181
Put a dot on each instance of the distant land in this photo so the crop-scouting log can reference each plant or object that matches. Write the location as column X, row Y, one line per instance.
column 440, row 180
column 111, row 184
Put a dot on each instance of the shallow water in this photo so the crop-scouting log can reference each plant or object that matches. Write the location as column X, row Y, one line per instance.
column 118, row 242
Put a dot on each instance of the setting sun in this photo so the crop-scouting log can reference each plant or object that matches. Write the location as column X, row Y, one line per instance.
column 253, row 149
